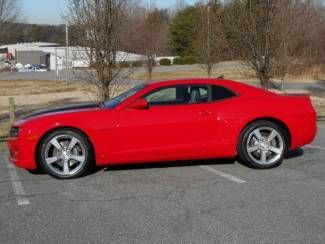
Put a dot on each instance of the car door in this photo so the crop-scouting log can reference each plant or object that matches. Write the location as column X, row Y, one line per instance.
column 178, row 124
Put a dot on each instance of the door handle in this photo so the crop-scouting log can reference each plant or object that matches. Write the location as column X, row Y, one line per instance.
column 205, row 113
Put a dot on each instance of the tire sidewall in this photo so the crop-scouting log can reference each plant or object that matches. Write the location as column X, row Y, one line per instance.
column 83, row 140
column 243, row 154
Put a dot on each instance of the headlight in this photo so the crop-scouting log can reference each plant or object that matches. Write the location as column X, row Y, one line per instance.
column 14, row 131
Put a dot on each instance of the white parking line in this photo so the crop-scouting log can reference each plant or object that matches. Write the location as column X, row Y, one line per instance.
column 222, row 174
column 315, row 147
column 16, row 184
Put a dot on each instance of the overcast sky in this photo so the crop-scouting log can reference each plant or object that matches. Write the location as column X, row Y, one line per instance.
column 50, row 11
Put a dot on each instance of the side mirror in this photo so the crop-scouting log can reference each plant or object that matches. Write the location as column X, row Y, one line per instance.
column 139, row 104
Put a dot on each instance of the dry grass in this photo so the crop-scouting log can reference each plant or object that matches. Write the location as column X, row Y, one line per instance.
column 38, row 92
column 305, row 74
column 319, row 105
column 4, row 128
column 235, row 73
column 32, row 87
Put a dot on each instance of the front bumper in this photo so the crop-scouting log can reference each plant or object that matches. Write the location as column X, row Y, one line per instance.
column 22, row 153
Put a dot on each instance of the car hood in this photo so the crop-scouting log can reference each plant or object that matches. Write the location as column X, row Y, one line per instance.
column 61, row 110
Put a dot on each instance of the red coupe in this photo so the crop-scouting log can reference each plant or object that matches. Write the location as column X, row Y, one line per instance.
column 165, row 121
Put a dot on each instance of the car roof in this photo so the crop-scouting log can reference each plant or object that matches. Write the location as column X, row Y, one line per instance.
column 235, row 86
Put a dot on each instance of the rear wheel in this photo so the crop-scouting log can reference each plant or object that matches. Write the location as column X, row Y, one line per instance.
column 263, row 144
column 65, row 154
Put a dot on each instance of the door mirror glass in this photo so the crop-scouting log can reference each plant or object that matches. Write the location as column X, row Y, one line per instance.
column 139, row 104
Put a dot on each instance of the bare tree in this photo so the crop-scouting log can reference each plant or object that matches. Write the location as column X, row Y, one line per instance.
column 152, row 37
column 211, row 41
column 99, row 27
column 9, row 12
column 311, row 49
column 264, row 33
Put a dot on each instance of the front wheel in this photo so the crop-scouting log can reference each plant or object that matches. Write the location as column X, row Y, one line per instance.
column 65, row 154
column 263, row 144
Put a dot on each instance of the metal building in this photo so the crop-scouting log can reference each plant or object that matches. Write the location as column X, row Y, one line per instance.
column 33, row 57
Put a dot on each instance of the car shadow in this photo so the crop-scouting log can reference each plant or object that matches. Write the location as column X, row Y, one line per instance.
column 185, row 163
column 295, row 153
column 170, row 164
column 290, row 154
column 173, row 164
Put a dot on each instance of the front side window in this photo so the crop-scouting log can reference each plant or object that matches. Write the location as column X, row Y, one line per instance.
column 187, row 94
column 122, row 97
column 167, row 95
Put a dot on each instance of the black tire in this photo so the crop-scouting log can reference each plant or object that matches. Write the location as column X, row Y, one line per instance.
column 83, row 140
column 243, row 140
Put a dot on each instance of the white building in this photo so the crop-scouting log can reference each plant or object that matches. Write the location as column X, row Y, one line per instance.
column 58, row 55
column 30, row 46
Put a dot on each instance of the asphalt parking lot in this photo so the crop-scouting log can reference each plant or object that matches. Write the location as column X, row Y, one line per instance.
column 215, row 201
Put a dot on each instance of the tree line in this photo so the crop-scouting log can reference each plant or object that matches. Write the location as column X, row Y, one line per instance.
column 21, row 32
column 270, row 36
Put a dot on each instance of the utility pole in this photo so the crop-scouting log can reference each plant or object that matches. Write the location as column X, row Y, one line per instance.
column 56, row 64
column 67, row 51
column 208, row 32
column 208, row 16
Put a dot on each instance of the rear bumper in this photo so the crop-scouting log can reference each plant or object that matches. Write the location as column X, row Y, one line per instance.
column 303, row 130
column 21, row 153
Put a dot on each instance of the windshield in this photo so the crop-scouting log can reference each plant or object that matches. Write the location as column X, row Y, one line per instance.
column 122, row 97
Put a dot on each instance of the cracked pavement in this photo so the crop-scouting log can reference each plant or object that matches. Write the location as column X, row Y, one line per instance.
column 172, row 203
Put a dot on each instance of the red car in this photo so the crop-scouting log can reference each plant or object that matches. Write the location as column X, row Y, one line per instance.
column 166, row 121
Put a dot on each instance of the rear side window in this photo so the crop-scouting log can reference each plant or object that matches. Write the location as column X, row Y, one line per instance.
column 220, row 93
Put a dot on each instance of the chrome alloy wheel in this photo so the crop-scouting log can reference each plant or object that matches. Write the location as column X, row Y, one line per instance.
column 65, row 155
column 265, row 145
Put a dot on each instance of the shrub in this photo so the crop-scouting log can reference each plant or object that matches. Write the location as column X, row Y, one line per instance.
column 190, row 60
column 165, row 62
column 137, row 63
column 124, row 64
column 178, row 61
column 185, row 60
